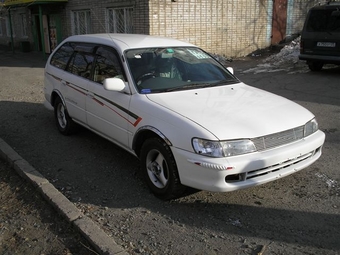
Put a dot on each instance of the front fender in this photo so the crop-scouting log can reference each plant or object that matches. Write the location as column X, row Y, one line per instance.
column 145, row 132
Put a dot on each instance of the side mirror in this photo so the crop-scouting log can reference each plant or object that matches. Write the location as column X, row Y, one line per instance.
column 114, row 84
column 231, row 70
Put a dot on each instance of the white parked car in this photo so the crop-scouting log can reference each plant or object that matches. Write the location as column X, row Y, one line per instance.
column 188, row 119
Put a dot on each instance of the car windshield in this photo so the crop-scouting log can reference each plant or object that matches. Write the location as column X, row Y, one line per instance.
column 324, row 21
column 156, row 70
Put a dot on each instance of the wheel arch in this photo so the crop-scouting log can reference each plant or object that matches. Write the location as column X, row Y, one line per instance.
column 54, row 95
column 145, row 133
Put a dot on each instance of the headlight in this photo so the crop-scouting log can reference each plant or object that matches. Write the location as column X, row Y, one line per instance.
column 310, row 127
column 220, row 149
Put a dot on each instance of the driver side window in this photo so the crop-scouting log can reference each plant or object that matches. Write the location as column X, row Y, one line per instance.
column 107, row 65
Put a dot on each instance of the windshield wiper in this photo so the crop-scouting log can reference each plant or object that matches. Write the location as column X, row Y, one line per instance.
column 202, row 85
column 189, row 86
column 223, row 82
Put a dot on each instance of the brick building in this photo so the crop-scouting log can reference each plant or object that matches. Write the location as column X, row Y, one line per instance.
column 227, row 27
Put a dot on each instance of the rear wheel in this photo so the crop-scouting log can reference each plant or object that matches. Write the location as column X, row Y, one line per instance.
column 315, row 66
column 160, row 170
column 65, row 124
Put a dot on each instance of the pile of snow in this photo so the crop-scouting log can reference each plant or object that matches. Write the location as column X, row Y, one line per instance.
column 288, row 54
column 286, row 60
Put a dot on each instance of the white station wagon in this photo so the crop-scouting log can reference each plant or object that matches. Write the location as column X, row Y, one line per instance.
column 188, row 119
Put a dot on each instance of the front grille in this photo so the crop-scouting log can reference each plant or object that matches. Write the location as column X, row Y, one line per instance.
column 278, row 139
column 277, row 167
column 270, row 169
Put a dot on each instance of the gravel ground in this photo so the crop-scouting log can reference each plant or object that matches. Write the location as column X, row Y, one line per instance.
column 29, row 225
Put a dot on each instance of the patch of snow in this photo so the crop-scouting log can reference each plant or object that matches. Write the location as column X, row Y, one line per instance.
column 331, row 184
column 286, row 60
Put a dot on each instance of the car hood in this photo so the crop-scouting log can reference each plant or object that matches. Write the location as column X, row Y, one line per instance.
column 235, row 111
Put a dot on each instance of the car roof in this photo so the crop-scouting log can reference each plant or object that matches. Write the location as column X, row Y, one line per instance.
column 128, row 41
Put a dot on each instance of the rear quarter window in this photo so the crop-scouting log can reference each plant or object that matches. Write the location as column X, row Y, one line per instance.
column 81, row 64
column 61, row 57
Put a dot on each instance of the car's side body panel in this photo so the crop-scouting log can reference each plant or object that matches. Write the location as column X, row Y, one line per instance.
column 107, row 112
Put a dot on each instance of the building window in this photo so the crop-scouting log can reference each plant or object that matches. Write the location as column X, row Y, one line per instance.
column 8, row 28
column 120, row 20
column 23, row 21
column 81, row 22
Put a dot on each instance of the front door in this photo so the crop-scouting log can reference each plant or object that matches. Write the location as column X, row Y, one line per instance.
column 107, row 111
column 49, row 29
column 54, row 30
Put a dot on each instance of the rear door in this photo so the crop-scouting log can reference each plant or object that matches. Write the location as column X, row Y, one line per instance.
column 75, row 81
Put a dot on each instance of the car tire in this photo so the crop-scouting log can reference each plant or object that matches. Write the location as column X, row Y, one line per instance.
column 160, row 169
column 65, row 124
column 315, row 66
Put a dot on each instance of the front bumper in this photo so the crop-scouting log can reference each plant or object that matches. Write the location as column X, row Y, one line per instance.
column 239, row 172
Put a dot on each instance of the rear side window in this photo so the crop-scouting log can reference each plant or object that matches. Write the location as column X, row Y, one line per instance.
column 324, row 21
column 62, row 56
column 81, row 64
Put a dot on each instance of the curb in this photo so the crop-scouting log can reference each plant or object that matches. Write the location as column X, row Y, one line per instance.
column 101, row 242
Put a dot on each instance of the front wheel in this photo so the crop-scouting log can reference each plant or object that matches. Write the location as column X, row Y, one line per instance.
column 65, row 124
column 160, row 170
